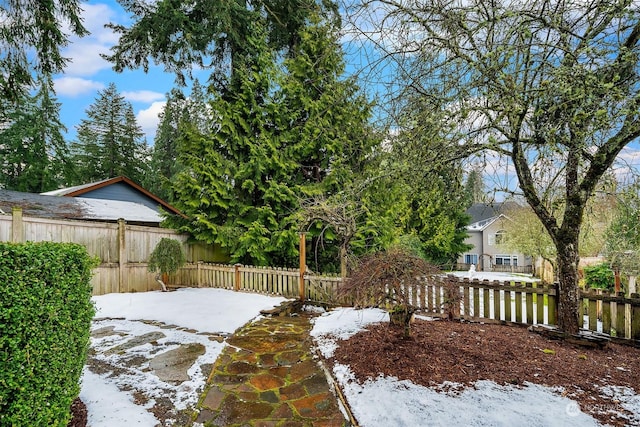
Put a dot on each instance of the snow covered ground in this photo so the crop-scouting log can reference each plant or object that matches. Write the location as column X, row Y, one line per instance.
column 378, row 402
column 390, row 402
column 187, row 316
column 491, row 276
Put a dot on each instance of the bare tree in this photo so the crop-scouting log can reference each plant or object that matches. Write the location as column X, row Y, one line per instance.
column 386, row 279
column 338, row 215
column 552, row 86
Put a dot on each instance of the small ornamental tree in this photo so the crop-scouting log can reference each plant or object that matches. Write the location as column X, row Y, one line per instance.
column 166, row 258
column 385, row 279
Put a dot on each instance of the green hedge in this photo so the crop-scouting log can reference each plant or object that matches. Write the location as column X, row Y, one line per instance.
column 45, row 319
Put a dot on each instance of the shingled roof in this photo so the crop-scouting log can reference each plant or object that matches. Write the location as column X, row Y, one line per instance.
column 483, row 213
column 43, row 206
column 88, row 190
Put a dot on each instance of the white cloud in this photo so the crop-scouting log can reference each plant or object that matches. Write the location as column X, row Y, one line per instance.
column 84, row 53
column 95, row 17
column 76, row 86
column 84, row 58
column 627, row 164
column 142, row 96
column 148, row 119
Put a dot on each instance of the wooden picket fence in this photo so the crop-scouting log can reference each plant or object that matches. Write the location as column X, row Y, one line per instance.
column 265, row 280
column 611, row 314
column 512, row 302
column 509, row 302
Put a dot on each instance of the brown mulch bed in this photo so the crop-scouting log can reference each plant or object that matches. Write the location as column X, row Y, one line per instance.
column 78, row 413
column 463, row 353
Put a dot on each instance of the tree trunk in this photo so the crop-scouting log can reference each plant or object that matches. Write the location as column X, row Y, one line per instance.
column 160, row 280
column 401, row 316
column 568, row 301
column 343, row 261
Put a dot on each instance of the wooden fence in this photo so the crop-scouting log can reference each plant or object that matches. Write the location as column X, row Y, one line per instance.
column 492, row 302
column 123, row 249
column 611, row 314
column 266, row 280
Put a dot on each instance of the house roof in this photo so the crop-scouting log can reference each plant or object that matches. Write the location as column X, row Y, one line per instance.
column 85, row 189
column 484, row 214
column 44, row 206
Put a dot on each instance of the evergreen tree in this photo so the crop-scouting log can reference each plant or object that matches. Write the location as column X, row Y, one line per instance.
column 420, row 198
column 231, row 185
column 109, row 142
column 164, row 164
column 211, row 34
column 278, row 137
column 474, row 187
column 328, row 136
column 33, row 152
column 324, row 115
column 31, row 36
column 420, row 208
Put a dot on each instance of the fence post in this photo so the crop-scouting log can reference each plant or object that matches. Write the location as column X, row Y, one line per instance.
column 621, row 316
column 303, row 263
column 236, row 284
column 552, row 305
column 529, row 302
column 17, row 225
column 539, row 306
column 122, row 256
column 635, row 317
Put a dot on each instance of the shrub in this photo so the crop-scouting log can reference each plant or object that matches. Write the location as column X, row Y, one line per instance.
column 166, row 258
column 599, row 276
column 45, row 319
column 385, row 279
column 451, row 297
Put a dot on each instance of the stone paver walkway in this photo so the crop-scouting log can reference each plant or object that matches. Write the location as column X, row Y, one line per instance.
column 267, row 377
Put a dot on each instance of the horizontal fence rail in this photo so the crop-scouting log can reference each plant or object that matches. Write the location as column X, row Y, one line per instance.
column 611, row 313
column 266, row 280
column 123, row 250
column 525, row 303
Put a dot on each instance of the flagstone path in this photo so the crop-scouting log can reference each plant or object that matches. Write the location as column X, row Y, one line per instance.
column 267, row 376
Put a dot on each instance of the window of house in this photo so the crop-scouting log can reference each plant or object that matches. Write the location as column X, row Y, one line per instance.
column 470, row 258
column 506, row 260
column 501, row 237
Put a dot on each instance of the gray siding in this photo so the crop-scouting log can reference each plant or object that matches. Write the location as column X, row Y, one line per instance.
column 124, row 192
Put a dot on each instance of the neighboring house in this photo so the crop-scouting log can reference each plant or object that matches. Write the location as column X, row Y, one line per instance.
column 78, row 208
column 105, row 201
column 487, row 234
column 119, row 188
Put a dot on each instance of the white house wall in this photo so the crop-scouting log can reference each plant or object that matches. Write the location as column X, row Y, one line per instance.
column 485, row 248
column 493, row 249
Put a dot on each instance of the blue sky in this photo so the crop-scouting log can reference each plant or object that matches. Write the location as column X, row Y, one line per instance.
column 87, row 73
